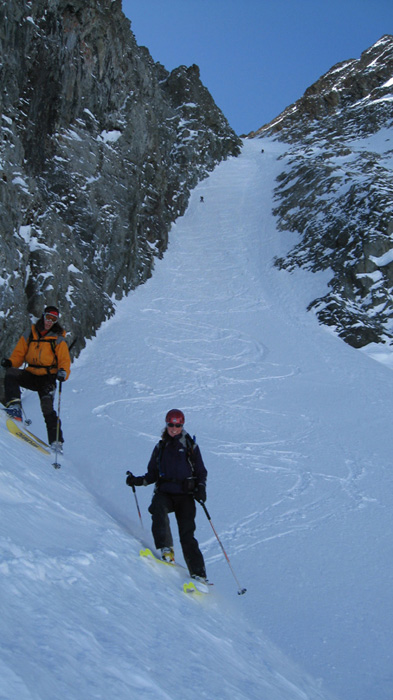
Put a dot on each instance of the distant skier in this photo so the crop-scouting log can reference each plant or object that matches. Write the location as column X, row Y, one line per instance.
column 176, row 467
column 46, row 354
column 201, row 199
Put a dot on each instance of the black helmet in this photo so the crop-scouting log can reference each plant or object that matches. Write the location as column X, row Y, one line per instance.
column 53, row 310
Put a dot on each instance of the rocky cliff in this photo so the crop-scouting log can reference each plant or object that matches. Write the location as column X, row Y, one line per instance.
column 100, row 147
column 336, row 192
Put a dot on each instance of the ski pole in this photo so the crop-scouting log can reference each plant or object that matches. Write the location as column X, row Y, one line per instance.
column 27, row 420
column 136, row 503
column 241, row 590
column 55, row 463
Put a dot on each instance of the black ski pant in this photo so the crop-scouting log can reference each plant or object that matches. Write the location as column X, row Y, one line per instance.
column 183, row 506
column 44, row 385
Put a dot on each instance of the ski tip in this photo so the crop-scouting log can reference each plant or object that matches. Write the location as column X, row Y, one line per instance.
column 190, row 587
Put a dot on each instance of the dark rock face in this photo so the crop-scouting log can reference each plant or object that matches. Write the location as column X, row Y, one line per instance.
column 336, row 191
column 100, row 148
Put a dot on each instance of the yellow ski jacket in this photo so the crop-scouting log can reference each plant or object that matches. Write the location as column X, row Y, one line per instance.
column 44, row 354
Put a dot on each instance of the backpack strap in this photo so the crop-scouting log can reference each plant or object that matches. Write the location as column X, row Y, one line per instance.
column 190, row 447
column 160, row 448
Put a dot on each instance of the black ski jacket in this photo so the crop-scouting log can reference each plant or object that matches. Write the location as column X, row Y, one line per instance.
column 174, row 461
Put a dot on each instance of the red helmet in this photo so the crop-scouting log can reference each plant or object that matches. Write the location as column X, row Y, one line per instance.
column 175, row 416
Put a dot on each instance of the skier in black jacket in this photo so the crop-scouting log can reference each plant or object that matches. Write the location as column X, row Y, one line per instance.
column 176, row 468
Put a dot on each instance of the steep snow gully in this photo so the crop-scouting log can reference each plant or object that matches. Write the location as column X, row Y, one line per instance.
column 294, row 428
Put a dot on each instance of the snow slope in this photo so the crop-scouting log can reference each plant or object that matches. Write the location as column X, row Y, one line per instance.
column 294, row 428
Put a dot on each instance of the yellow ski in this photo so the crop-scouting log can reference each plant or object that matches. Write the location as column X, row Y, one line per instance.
column 28, row 437
column 188, row 587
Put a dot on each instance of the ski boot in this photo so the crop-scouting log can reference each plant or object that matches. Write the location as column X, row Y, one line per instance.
column 14, row 409
column 168, row 555
column 57, row 446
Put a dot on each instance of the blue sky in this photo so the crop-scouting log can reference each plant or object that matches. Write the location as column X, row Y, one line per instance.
column 257, row 56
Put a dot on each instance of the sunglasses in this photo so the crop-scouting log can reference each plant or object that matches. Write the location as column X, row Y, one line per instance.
column 175, row 425
column 51, row 317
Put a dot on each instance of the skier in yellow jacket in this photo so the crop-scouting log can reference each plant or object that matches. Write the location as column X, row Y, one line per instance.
column 45, row 351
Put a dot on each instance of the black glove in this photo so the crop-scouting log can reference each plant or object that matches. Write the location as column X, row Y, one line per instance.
column 200, row 493
column 6, row 362
column 134, row 480
column 130, row 481
column 61, row 375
